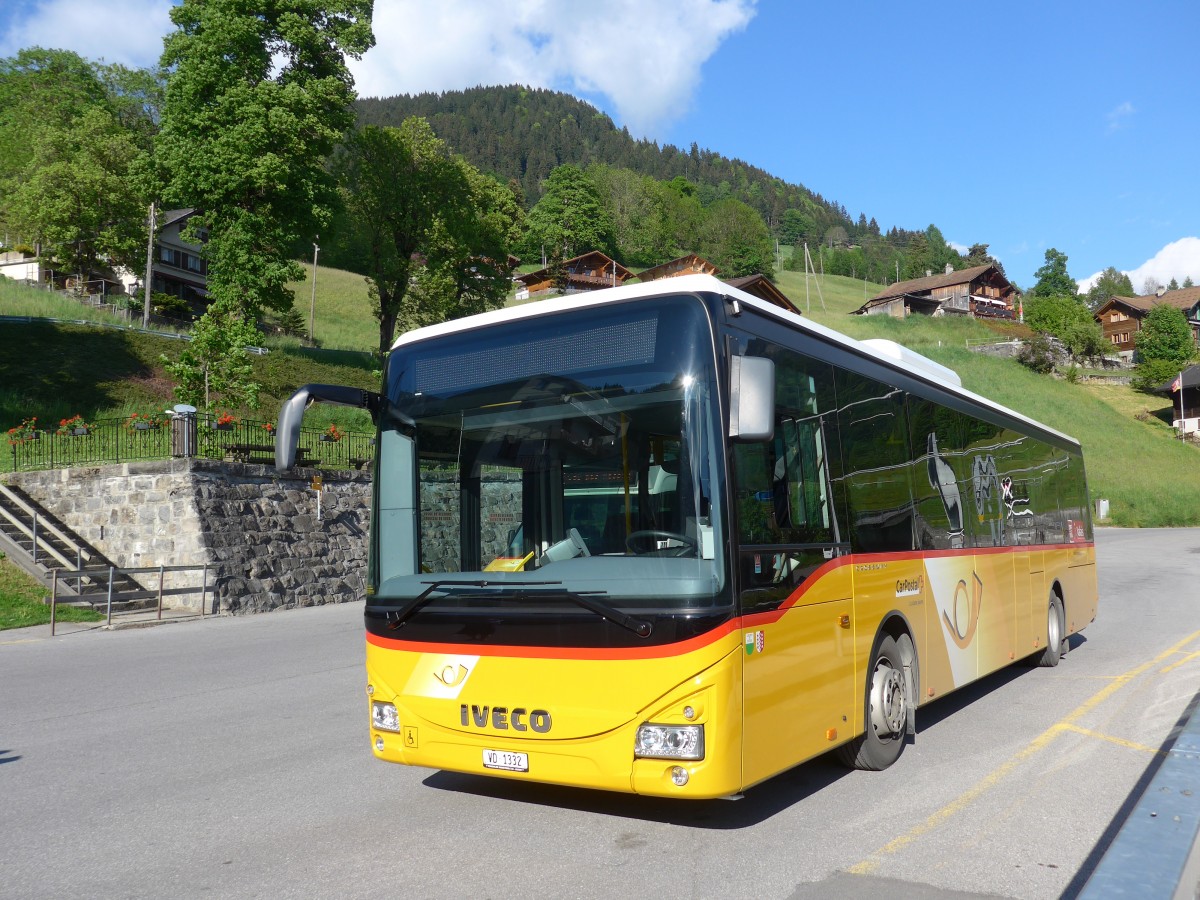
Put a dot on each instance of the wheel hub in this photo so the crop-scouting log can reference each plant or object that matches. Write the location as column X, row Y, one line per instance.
column 888, row 706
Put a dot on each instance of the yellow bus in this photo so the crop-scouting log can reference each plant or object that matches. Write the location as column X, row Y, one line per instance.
column 670, row 539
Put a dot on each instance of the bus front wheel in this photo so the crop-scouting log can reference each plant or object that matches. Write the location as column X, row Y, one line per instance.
column 887, row 707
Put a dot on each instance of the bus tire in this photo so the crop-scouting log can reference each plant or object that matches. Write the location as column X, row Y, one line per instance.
column 1056, row 633
column 887, row 707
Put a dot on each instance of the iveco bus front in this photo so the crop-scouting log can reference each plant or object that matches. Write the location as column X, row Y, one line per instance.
column 548, row 590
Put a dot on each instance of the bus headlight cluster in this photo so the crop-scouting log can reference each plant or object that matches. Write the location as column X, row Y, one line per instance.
column 384, row 716
column 670, row 742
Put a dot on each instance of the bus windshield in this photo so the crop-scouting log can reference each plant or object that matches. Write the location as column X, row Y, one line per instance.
column 567, row 466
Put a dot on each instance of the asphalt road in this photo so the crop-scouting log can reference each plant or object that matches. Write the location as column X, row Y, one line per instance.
column 230, row 758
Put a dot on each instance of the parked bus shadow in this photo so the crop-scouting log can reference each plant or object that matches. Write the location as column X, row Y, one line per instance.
column 929, row 717
column 757, row 805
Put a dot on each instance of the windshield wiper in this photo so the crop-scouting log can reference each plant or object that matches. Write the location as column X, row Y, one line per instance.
column 398, row 615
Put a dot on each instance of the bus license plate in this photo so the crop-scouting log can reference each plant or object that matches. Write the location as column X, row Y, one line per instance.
column 503, row 759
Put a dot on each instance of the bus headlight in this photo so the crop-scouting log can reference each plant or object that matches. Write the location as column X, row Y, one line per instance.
column 384, row 716
column 669, row 742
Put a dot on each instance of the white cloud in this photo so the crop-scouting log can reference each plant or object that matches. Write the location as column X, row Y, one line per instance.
column 117, row 31
column 1179, row 260
column 1119, row 118
column 645, row 58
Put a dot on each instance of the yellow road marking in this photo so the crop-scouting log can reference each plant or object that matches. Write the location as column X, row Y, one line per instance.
column 1179, row 662
column 1120, row 742
column 957, row 805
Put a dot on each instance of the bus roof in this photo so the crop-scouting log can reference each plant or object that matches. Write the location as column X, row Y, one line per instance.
column 888, row 352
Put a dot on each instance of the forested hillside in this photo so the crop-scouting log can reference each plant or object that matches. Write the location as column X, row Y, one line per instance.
column 524, row 133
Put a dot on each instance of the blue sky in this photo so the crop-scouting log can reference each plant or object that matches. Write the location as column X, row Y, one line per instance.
column 1025, row 126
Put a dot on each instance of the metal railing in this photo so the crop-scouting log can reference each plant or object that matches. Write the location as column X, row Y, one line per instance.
column 138, row 438
column 112, row 596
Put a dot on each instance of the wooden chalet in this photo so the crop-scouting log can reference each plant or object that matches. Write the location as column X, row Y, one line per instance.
column 1121, row 317
column 587, row 272
column 684, row 265
column 980, row 291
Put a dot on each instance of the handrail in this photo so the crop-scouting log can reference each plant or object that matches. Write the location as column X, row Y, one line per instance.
column 49, row 526
column 112, row 571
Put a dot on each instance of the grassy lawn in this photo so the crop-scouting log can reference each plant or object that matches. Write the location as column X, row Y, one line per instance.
column 343, row 318
column 55, row 371
column 21, row 601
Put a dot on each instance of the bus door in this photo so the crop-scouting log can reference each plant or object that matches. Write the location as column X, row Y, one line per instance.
column 798, row 661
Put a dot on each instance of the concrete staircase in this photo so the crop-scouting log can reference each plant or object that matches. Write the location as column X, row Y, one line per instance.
column 36, row 541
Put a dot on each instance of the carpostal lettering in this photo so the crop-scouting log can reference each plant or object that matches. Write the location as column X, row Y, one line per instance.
column 907, row 587
column 502, row 718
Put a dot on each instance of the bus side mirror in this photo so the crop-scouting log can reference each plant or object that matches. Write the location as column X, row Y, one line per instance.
column 291, row 414
column 751, row 398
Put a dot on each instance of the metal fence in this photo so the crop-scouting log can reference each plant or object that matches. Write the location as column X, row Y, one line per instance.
column 141, row 438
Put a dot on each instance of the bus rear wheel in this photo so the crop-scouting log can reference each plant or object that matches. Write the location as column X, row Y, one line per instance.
column 887, row 707
column 1056, row 633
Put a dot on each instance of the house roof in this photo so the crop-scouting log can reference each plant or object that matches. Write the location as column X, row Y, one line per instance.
column 932, row 282
column 1184, row 298
column 173, row 216
column 1191, row 379
column 764, row 289
column 679, row 266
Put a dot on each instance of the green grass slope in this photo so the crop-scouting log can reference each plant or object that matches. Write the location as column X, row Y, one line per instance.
column 55, row 371
column 1134, row 460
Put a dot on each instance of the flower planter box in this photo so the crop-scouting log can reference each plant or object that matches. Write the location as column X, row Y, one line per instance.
column 143, row 426
column 329, row 439
column 79, row 432
column 225, row 427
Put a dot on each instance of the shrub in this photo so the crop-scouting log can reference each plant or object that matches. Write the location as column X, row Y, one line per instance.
column 170, row 306
column 1037, row 354
column 1152, row 374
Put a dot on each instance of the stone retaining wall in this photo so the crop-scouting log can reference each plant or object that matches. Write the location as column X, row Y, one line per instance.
column 257, row 528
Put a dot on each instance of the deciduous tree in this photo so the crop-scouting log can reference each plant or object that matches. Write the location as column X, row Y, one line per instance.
column 569, row 218
column 736, row 240
column 1111, row 283
column 77, row 197
column 257, row 96
column 1053, row 279
column 72, row 152
column 399, row 185
column 466, row 268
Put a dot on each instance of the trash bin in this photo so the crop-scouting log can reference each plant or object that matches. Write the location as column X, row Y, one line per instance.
column 183, row 430
column 1102, row 509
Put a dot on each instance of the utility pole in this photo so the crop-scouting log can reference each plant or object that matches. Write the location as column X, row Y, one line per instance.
column 149, row 268
column 312, row 308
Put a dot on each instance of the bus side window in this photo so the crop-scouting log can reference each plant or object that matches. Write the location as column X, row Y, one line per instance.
column 874, row 434
column 787, row 486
